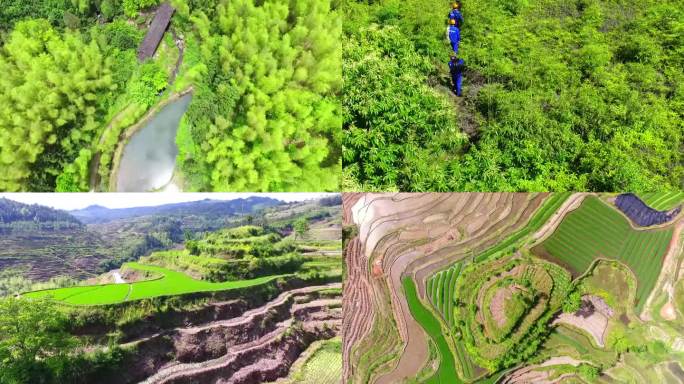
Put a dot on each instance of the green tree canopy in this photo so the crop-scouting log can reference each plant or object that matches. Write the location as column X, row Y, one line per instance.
column 301, row 226
column 266, row 116
column 49, row 101
column 32, row 335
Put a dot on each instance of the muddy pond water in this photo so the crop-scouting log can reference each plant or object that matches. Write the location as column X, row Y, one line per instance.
column 149, row 159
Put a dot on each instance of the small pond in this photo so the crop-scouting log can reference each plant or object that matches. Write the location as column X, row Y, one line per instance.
column 149, row 158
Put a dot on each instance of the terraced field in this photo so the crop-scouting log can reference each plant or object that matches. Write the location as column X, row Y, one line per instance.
column 171, row 283
column 441, row 291
column 596, row 230
column 322, row 366
column 505, row 288
column 446, row 373
column 663, row 200
column 416, row 234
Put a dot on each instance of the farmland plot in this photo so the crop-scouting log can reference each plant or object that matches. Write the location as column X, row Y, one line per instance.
column 172, row 283
column 663, row 200
column 596, row 231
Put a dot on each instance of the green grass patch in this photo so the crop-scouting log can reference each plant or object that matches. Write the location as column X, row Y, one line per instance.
column 172, row 283
column 595, row 230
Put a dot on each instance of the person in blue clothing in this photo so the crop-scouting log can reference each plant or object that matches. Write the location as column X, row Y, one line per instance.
column 456, row 14
column 456, row 67
column 454, row 35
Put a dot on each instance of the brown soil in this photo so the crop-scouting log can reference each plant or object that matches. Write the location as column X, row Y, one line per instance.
column 624, row 319
column 595, row 324
column 668, row 273
column 255, row 346
column 498, row 304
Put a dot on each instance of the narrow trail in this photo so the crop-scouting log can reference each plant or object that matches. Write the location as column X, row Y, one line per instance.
column 128, row 294
column 95, row 161
column 180, row 44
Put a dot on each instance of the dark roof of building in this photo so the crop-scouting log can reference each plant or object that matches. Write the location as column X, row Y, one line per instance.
column 156, row 31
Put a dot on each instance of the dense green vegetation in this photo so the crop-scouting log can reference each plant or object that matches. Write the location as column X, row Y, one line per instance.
column 89, row 83
column 446, row 373
column 563, row 95
column 265, row 77
column 536, row 288
column 35, row 346
column 595, row 230
column 71, row 77
column 264, row 115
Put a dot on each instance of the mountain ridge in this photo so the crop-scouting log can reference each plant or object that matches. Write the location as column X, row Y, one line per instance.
column 210, row 207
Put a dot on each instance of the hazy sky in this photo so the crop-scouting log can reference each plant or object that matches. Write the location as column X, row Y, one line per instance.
column 70, row 201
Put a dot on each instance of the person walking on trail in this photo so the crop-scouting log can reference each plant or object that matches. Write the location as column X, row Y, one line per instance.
column 456, row 14
column 456, row 67
column 454, row 35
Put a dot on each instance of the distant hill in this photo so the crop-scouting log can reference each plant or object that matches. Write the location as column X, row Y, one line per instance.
column 206, row 207
column 86, row 242
column 12, row 211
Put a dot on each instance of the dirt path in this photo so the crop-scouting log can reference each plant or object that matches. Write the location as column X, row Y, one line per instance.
column 569, row 205
column 180, row 44
column 95, row 162
column 668, row 275
column 128, row 294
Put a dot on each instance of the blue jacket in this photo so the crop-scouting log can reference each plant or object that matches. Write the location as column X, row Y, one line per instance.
column 455, row 14
column 454, row 34
column 456, row 67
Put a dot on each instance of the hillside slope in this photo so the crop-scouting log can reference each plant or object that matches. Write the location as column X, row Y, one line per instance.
column 564, row 95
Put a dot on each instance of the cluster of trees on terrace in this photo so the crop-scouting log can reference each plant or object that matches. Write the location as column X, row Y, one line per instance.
column 249, row 251
column 564, row 95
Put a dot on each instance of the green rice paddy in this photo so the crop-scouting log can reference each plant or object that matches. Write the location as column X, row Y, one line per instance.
column 441, row 291
column 595, row 230
column 446, row 373
column 171, row 283
column 663, row 201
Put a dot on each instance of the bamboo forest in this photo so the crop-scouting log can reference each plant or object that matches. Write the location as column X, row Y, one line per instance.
column 237, row 95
